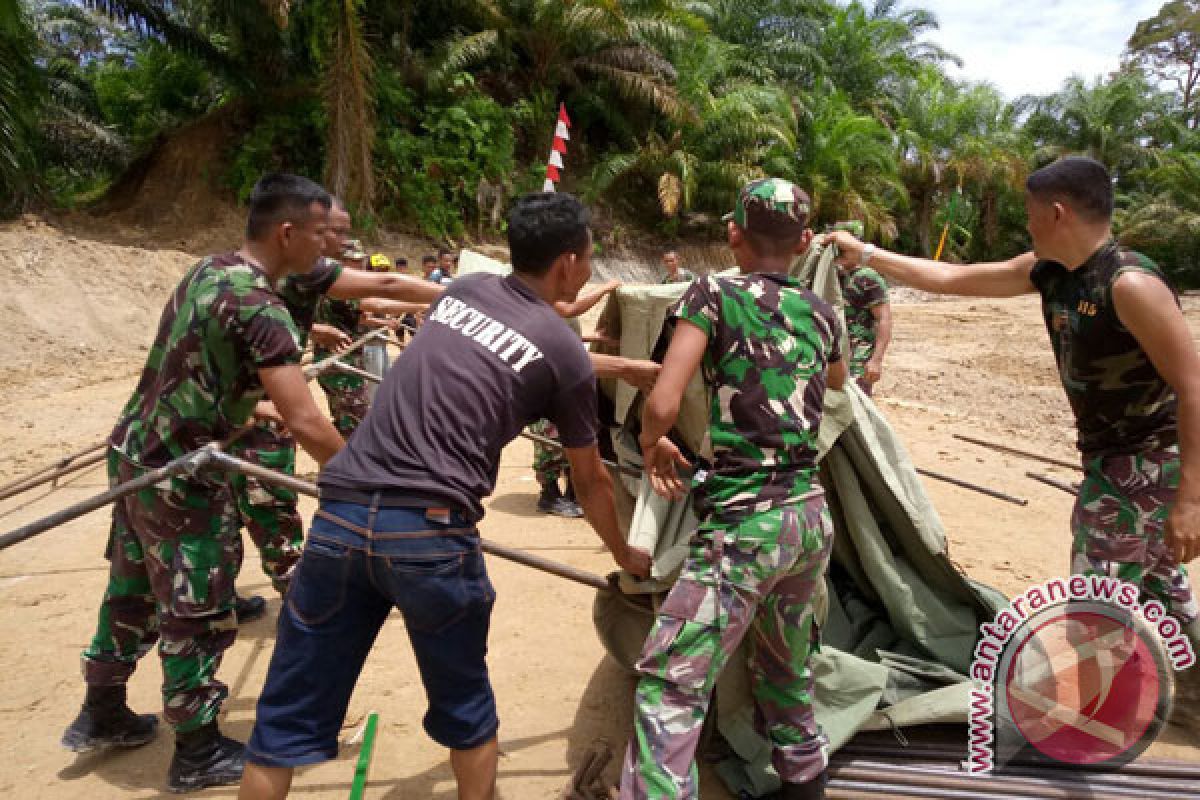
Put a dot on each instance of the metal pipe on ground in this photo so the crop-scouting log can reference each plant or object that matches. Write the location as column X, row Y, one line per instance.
column 17, row 486
column 53, row 475
column 1003, row 448
column 226, row 461
column 1055, row 482
column 185, row 463
column 1008, row 498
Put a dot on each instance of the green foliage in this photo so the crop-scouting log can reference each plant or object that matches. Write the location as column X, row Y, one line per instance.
column 287, row 139
column 21, row 92
column 430, row 168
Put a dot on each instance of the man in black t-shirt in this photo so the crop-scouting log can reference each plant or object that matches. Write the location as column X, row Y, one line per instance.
column 399, row 505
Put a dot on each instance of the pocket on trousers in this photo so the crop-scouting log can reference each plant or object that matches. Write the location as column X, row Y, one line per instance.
column 684, row 646
column 318, row 589
column 430, row 590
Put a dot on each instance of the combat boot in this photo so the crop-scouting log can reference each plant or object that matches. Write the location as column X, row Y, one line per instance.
column 567, row 506
column 811, row 790
column 549, row 498
column 249, row 608
column 205, row 758
column 106, row 721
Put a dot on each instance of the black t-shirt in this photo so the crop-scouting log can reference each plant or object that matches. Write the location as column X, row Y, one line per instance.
column 490, row 359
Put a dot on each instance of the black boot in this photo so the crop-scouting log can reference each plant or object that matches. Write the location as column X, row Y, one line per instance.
column 106, row 721
column 205, row 758
column 548, row 499
column 812, row 790
column 568, row 506
column 249, row 608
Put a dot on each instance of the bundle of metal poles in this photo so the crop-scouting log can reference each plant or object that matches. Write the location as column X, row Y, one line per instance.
column 64, row 466
column 874, row 769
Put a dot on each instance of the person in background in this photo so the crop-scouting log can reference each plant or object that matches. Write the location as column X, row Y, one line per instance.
column 868, row 316
column 672, row 272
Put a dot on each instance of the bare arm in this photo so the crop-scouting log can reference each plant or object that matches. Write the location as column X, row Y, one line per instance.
column 1147, row 308
column 994, row 279
column 661, row 456
column 357, row 284
column 395, row 308
column 584, row 302
column 641, row 374
column 594, row 489
column 329, row 337
column 314, row 432
column 883, row 337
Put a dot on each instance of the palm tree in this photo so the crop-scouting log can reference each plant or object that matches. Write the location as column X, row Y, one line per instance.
column 21, row 92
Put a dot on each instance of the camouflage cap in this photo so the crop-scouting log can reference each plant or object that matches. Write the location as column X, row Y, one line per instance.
column 380, row 263
column 771, row 206
column 851, row 226
column 353, row 250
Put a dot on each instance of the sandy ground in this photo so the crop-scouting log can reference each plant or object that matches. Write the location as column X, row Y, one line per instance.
column 74, row 320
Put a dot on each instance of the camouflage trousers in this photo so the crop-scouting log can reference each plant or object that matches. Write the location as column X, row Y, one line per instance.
column 348, row 402
column 860, row 354
column 756, row 577
column 269, row 511
column 174, row 551
column 1119, row 523
column 549, row 463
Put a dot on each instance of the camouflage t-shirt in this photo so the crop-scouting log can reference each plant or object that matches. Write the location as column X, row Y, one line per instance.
column 222, row 324
column 346, row 316
column 302, row 294
column 1121, row 404
column 770, row 341
column 863, row 289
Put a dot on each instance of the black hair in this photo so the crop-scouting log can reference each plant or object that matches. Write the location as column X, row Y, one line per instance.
column 1082, row 183
column 543, row 226
column 401, row 260
column 427, row 258
column 443, row 252
column 279, row 197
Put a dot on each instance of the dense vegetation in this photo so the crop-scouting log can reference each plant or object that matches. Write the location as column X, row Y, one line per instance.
column 405, row 106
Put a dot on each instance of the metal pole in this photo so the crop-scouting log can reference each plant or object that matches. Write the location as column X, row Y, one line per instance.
column 341, row 366
column 1055, row 482
column 318, row 367
column 1003, row 448
column 53, row 475
column 1008, row 498
column 7, row 489
column 228, row 462
column 185, row 463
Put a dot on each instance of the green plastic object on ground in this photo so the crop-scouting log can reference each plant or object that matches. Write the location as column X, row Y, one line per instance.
column 363, row 765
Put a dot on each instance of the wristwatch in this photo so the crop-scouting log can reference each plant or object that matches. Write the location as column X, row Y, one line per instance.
column 864, row 257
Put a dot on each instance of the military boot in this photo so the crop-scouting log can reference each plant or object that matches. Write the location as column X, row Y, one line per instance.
column 106, row 721
column 811, row 790
column 549, row 498
column 249, row 608
column 567, row 505
column 203, row 758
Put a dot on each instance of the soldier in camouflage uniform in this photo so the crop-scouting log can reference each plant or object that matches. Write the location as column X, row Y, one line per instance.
column 346, row 393
column 174, row 548
column 868, row 317
column 767, row 347
column 1130, row 370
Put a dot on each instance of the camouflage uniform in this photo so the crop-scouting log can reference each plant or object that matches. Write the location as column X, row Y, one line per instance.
column 549, row 463
column 765, row 538
column 175, row 549
column 1128, row 434
column 863, row 289
column 347, row 394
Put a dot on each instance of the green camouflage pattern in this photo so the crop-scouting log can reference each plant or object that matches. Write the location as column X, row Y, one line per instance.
column 772, row 206
column 756, row 577
column 200, row 382
column 268, row 511
column 302, row 294
column 1121, row 404
column 863, row 289
column 346, row 394
column 549, row 463
column 769, row 342
column 174, row 551
column 1119, row 522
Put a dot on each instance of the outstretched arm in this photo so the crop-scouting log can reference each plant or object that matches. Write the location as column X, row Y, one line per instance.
column 394, row 308
column 355, row 284
column 994, row 279
column 883, row 337
column 584, row 302
column 1147, row 307
column 641, row 374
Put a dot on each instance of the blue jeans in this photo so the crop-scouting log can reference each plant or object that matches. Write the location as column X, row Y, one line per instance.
column 359, row 563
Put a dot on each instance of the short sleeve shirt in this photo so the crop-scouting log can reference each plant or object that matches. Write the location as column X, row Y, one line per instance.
column 223, row 323
column 770, row 341
column 491, row 358
column 302, row 294
column 863, row 289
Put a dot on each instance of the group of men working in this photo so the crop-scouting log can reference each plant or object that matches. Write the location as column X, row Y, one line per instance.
column 396, row 525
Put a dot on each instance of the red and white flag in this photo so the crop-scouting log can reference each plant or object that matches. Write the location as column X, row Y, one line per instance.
column 558, row 149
